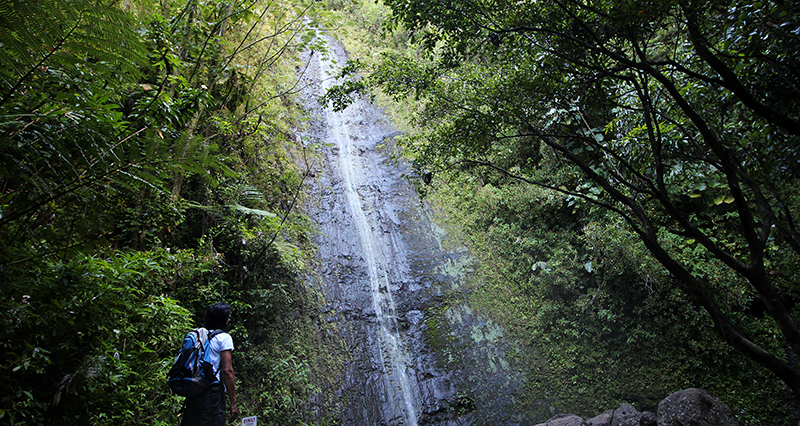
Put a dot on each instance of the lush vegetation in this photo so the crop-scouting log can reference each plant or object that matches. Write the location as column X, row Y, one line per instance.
column 148, row 168
column 629, row 170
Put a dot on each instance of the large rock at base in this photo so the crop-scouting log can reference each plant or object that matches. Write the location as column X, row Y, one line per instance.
column 626, row 415
column 648, row 419
column 694, row 407
column 602, row 419
column 564, row 420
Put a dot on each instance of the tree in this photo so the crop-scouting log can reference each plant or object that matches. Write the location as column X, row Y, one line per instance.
column 143, row 155
column 683, row 118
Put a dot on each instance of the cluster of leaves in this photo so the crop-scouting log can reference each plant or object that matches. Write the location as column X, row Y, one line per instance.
column 598, row 322
column 680, row 119
column 148, row 169
column 84, row 338
column 367, row 39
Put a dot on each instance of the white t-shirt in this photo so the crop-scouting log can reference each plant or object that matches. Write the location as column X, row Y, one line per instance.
column 220, row 342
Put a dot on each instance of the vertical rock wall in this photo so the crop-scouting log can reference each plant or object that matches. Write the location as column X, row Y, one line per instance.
column 384, row 272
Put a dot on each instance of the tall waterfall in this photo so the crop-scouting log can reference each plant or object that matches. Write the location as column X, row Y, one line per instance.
column 364, row 199
column 382, row 266
column 355, row 173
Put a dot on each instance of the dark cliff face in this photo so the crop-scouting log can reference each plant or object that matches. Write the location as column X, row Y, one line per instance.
column 412, row 359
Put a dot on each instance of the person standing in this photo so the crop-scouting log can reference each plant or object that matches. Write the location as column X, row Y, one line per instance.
column 208, row 408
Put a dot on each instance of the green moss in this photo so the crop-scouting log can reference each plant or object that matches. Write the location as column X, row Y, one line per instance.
column 437, row 333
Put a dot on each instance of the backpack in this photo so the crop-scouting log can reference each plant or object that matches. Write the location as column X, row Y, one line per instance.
column 192, row 372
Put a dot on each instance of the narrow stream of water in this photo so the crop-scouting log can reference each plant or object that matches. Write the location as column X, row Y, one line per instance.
column 382, row 268
column 391, row 352
column 365, row 254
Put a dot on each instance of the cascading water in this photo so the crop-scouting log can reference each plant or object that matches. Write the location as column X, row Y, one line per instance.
column 381, row 266
column 391, row 353
column 369, row 291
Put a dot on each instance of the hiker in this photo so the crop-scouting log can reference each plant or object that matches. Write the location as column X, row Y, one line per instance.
column 208, row 408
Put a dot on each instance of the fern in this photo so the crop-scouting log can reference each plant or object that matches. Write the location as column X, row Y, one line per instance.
column 78, row 41
column 63, row 65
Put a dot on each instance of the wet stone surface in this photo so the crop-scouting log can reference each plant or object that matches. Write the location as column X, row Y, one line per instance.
column 383, row 272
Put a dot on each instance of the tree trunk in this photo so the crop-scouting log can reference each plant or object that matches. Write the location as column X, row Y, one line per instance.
column 727, row 331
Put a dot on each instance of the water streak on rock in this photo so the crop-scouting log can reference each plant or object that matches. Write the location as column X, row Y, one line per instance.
column 390, row 353
column 389, row 280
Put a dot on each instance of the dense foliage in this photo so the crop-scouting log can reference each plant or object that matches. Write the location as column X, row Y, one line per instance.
column 626, row 171
column 662, row 137
column 148, row 169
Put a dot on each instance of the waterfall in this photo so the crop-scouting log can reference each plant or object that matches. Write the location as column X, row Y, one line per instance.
column 382, row 266
column 357, row 178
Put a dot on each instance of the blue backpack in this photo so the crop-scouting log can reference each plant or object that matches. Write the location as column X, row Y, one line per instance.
column 192, row 372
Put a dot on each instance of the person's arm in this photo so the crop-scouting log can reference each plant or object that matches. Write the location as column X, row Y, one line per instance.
column 226, row 373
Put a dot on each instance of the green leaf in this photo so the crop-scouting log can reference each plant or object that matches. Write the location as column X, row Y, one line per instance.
column 539, row 265
column 254, row 212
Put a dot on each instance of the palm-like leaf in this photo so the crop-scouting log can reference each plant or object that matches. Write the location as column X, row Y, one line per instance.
column 63, row 66
column 74, row 40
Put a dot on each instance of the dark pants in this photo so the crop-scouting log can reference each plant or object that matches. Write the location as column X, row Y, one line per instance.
column 206, row 409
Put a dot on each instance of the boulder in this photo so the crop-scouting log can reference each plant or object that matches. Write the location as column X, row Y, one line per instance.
column 648, row 419
column 626, row 415
column 564, row 420
column 694, row 407
column 601, row 419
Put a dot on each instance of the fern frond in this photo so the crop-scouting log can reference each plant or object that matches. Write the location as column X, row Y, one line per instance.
column 94, row 45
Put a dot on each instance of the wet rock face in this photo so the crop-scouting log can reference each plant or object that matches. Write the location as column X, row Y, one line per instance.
column 382, row 270
column 361, row 258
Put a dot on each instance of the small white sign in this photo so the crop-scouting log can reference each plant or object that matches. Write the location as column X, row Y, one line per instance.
column 249, row 421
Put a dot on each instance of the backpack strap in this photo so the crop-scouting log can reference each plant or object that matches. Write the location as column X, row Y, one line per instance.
column 211, row 335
